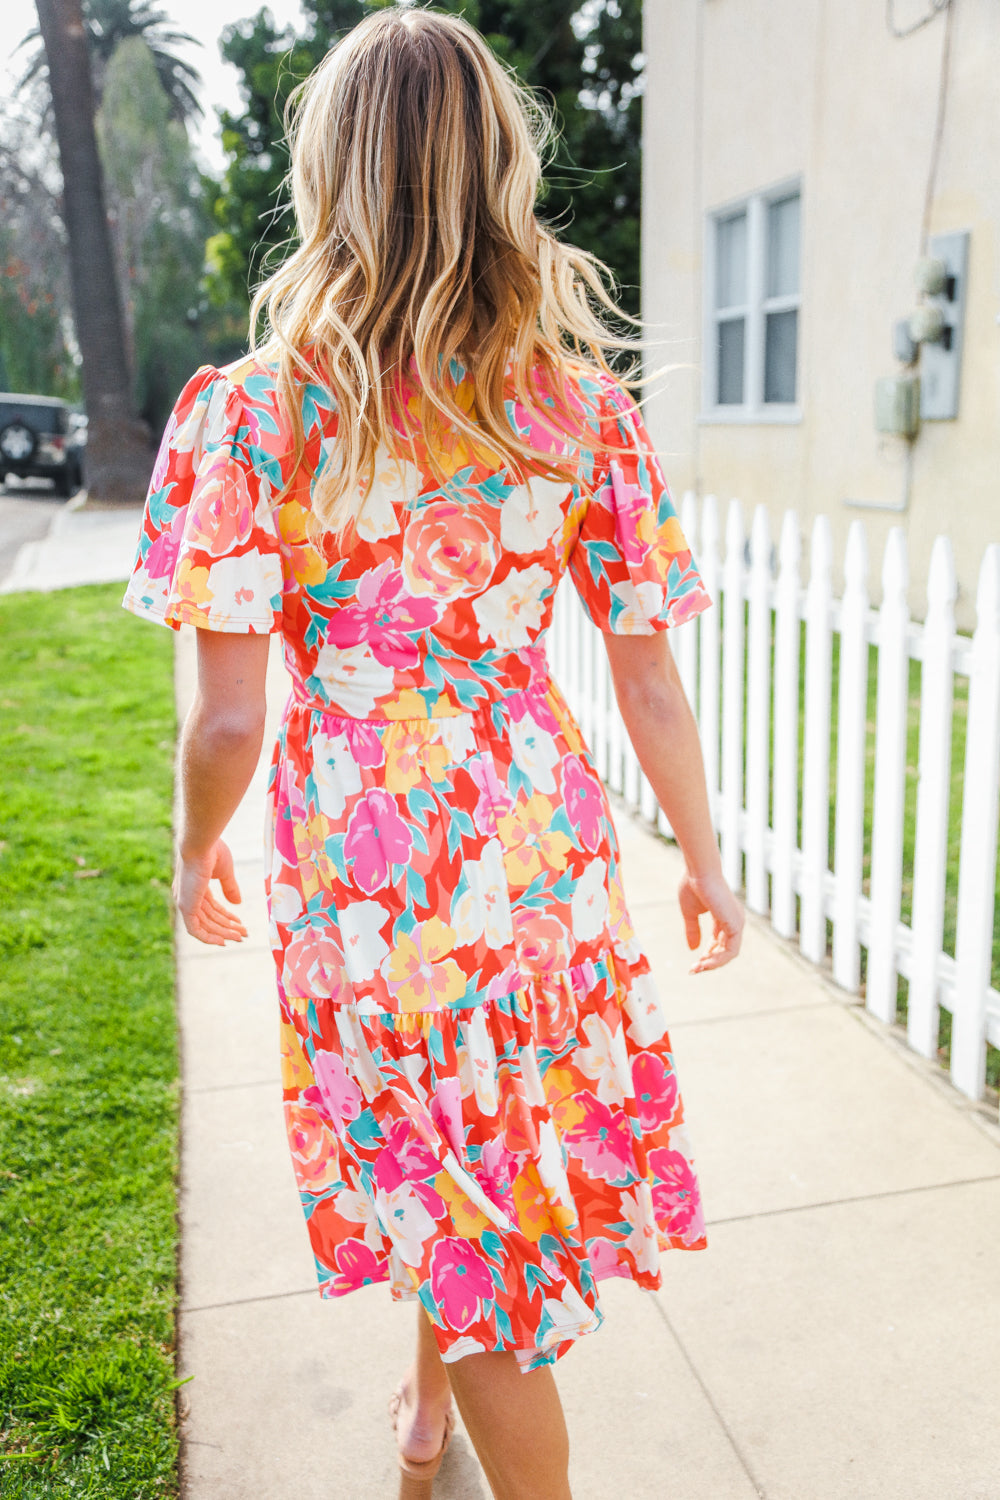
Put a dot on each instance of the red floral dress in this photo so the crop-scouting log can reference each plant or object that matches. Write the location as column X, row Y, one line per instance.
column 480, row 1094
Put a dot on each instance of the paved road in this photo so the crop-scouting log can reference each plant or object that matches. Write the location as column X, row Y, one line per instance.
column 26, row 511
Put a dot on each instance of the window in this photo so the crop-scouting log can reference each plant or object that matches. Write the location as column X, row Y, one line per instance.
column 752, row 334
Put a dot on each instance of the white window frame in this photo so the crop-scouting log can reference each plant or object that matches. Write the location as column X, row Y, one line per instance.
column 753, row 408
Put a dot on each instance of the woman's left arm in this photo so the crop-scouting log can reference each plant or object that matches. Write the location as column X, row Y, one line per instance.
column 219, row 749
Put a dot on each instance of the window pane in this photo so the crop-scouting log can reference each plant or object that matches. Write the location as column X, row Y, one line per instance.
column 780, row 340
column 731, row 261
column 730, row 365
column 783, row 246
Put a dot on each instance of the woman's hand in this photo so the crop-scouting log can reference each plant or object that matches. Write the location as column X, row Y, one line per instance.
column 711, row 894
column 204, row 916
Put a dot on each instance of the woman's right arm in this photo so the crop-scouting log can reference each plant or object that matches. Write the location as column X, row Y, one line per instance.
column 663, row 732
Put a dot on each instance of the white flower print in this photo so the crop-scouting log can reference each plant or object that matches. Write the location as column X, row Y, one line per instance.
column 646, row 1021
column 606, row 1060
column 637, row 1211
column 566, row 1316
column 406, row 1221
column 351, row 678
column 242, row 589
column 482, row 1058
column 361, row 924
column 589, row 904
column 535, row 753
column 511, row 610
column 394, row 482
column 642, row 601
column 335, row 772
column 532, row 515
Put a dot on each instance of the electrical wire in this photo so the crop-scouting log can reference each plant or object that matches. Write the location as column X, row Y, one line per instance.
column 942, row 101
column 937, row 6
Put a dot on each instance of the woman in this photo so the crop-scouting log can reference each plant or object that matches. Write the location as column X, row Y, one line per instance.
column 481, row 1101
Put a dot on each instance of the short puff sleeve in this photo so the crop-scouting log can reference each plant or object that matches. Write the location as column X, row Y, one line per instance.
column 209, row 553
column 630, row 563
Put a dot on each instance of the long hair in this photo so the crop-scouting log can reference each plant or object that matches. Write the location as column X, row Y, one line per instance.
column 416, row 162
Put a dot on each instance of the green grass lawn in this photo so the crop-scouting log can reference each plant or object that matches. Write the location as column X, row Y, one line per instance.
column 88, row 1052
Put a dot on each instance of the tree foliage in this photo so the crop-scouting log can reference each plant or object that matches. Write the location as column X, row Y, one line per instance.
column 110, row 22
column 585, row 59
column 158, row 207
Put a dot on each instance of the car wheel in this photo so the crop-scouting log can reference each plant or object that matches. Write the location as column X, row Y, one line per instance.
column 64, row 483
column 17, row 442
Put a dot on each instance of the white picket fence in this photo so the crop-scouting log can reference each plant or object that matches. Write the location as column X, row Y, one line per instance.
column 741, row 669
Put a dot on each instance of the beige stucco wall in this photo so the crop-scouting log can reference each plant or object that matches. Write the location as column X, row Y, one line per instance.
column 742, row 94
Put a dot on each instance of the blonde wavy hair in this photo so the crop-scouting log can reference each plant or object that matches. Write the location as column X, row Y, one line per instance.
column 416, row 163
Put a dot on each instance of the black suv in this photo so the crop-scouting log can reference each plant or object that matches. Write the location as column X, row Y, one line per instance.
column 38, row 440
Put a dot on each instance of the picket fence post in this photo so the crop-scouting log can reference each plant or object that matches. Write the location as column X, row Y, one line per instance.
column 849, row 831
column 930, row 855
column 731, row 805
column 977, row 865
column 758, row 711
column 786, row 728
column 708, row 653
column 816, row 746
column 890, row 779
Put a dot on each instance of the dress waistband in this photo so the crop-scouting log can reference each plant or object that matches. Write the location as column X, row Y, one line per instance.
column 406, row 704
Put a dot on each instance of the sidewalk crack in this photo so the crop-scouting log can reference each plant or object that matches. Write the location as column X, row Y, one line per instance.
column 799, row 1208
column 730, row 1435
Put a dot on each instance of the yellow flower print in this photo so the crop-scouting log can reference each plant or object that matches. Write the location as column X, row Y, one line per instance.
column 536, row 1213
column 420, row 975
column 191, row 584
column 414, row 755
column 295, row 1070
column 469, row 1221
column 299, row 528
column 408, row 704
column 316, row 868
column 530, row 845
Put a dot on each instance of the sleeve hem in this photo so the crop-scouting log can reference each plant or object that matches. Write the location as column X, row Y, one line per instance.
column 174, row 621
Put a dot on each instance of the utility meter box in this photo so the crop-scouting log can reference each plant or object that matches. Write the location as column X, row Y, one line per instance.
column 897, row 405
column 941, row 358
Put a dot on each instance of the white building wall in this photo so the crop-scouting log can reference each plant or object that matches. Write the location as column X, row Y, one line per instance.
column 742, row 94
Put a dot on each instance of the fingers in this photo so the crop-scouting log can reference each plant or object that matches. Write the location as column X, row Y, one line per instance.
column 723, row 949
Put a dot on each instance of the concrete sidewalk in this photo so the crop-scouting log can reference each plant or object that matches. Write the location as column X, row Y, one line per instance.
column 837, row 1341
column 81, row 546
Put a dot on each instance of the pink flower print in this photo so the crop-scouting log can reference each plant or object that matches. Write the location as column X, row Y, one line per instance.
column 384, row 617
column 631, row 505
column 495, row 1175
column 446, row 1112
column 493, row 797
column 584, row 803
column 338, row 1091
column 460, row 1278
column 411, row 1153
column 365, row 742
column 602, row 1140
column 655, row 1090
column 161, row 559
column 603, row 1259
column 358, row 1266
column 676, row 1196
column 221, row 510
column 376, row 838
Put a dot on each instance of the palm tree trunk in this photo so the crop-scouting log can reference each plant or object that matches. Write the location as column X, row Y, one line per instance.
column 119, row 458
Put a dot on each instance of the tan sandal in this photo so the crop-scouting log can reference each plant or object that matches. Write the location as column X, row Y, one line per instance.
column 423, row 1473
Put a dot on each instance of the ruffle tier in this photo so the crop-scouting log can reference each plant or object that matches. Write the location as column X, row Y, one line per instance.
column 494, row 1162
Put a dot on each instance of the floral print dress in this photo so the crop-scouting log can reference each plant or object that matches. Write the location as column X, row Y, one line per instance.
column 480, row 1095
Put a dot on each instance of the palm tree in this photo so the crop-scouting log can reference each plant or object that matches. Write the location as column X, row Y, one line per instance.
column 109, row 22
column 118, row 455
